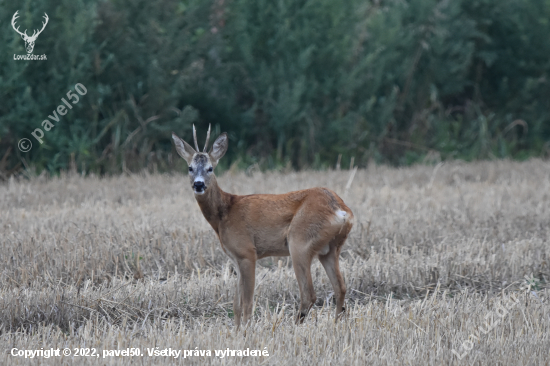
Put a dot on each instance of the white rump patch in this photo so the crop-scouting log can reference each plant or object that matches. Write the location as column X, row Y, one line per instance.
column 340, row 217
column 341, row 214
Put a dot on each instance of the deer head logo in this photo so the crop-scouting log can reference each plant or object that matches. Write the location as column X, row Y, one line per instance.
column 29, row 40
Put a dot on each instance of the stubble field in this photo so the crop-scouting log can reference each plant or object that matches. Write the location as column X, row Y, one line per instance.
column 436, row 262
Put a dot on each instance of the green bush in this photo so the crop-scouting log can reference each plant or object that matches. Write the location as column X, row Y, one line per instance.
column 295, row 83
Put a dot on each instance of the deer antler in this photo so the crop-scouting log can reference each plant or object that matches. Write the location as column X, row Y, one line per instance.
column 195, row 139
column 207, row 139
column 15, row 16
column 43, row 26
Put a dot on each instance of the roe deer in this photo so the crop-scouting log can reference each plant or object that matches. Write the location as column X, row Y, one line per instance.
column 304, row 224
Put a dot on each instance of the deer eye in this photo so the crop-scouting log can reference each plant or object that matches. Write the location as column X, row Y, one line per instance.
column 190, row 169
column 210, row 170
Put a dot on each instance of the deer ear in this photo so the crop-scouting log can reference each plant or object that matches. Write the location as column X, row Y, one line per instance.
column 219, row 148
column 183, row 148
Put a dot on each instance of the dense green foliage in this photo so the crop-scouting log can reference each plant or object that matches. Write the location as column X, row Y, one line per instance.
column 295, row 83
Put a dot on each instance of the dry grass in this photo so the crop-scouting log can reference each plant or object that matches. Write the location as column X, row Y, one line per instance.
column 130, row 262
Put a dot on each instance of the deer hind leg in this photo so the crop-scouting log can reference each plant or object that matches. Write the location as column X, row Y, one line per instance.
column 301, row 262
column 330, row 262
column 301, row 255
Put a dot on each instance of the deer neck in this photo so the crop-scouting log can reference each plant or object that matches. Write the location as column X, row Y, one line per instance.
column 214, row 204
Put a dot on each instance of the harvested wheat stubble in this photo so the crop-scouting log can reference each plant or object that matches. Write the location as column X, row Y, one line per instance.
column 129, row 261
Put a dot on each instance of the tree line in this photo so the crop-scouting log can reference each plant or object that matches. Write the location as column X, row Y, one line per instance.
column 295, row 83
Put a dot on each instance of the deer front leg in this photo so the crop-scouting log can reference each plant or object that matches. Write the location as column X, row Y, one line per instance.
column 247, row 270
column 237, row 301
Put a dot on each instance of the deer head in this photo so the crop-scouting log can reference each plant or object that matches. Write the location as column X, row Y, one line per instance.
column 201, row 164
column 29, row 40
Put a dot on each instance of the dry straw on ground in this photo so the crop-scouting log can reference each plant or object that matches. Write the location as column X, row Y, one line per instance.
column 130, row 262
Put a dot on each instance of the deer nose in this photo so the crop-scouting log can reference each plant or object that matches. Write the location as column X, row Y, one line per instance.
column 199, row 186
